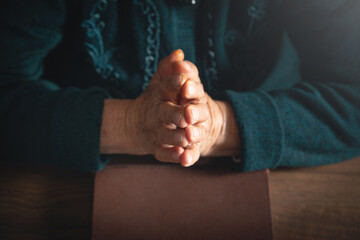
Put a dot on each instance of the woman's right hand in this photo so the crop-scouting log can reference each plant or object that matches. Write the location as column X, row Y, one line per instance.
column 155, row 123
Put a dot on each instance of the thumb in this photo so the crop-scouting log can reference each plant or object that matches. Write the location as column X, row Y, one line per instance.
column 165, row 67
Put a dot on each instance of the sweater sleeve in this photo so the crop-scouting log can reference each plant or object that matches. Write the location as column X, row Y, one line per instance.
column 39, row 122
column 316, row 121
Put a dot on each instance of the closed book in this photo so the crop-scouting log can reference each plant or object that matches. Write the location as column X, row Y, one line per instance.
column 139, row 198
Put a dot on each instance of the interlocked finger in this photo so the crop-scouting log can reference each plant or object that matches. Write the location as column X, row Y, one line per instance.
column 196, row 113
column 171, row 87
column 195, row 133
column 171, row 154
column 169, row 112
column 193, row 90
column 187, row 68
column 165, row 67
column 190, row 155
column 172, row 137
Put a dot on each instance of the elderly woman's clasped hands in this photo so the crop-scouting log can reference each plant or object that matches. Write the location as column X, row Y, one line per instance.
column 176, row 121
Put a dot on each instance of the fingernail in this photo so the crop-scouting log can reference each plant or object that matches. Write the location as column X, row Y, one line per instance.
column 176, row 118
column 175, row 156
column 176, row 81
column 196, row 132
column 178, row 55
column 178, row 137
column 190, row 90
column 195, row 114
column 189, row 161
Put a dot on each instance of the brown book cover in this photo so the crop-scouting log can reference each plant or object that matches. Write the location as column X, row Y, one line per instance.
column 137, row 198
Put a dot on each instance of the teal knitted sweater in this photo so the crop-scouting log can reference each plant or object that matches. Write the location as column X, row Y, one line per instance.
column 290, row 70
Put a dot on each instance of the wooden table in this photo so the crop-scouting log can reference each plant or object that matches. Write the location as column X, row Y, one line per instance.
column 38, row 202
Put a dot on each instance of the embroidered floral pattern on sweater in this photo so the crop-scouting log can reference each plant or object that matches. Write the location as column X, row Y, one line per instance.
column 96, row 49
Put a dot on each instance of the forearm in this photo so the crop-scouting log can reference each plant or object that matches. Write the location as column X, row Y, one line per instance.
column 116, row 135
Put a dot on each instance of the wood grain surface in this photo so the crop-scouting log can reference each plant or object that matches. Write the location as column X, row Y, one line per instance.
column 38, row 202
column 317, row 203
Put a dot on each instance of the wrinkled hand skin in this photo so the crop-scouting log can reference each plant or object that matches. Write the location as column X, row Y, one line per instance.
column 149, row 117
column 205, row 117
column 175, row 120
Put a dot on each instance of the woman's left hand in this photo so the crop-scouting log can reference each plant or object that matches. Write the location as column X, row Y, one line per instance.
column 212, row 129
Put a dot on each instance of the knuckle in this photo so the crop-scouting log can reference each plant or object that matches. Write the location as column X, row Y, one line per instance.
column 205, row 112
column 175, row 117
column 183, row 143
column 192, row 134
column 187, row 109
column 158, row 135
column 179, row 138
column 195, row 134
column 162, row 111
